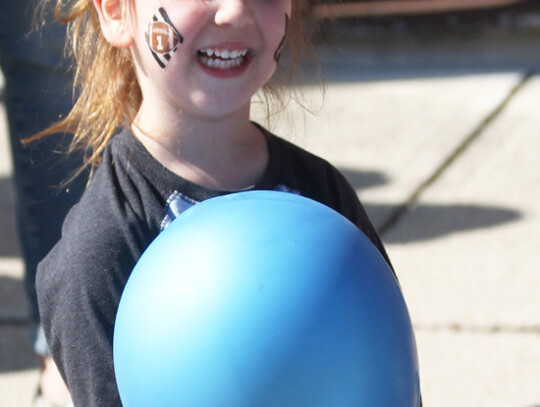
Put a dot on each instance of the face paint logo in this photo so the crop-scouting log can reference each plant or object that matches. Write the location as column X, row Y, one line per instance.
column 279, row 50
column 162, row 37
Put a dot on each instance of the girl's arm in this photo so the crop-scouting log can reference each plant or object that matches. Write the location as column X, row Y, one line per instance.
column 79, row 286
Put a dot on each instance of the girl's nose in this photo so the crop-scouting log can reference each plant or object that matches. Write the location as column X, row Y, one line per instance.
column 234, row 13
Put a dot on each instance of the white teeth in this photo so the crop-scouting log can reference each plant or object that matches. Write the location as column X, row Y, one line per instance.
column 220, row 63
column 223, row 59
column 224, row 54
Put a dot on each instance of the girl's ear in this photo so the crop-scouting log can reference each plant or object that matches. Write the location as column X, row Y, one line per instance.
column 114, row 21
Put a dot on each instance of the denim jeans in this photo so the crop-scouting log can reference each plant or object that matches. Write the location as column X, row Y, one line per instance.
column 37, row 92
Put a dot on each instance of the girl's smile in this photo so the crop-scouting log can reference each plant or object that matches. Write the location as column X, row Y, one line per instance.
column 225, row 60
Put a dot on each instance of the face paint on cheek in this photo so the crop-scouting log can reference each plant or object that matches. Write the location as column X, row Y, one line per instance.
column 162, row 37
column 279, row 50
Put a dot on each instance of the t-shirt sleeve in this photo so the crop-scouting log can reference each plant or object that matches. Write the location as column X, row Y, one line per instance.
column 346, row 201
column 79, row 286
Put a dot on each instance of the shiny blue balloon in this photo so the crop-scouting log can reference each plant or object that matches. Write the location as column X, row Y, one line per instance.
column 264, row 299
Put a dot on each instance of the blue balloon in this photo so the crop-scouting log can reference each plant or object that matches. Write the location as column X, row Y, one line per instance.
column 264, row 299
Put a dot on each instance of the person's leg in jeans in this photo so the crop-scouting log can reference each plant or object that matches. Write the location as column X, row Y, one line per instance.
column 37, row 91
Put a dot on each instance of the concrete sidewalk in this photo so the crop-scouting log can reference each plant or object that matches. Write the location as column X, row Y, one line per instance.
column 441, row 138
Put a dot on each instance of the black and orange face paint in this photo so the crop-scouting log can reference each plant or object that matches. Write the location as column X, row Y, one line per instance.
column 279, row 50
column 162, row 37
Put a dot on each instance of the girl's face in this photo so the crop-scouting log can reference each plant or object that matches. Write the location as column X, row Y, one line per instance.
column 226, row 52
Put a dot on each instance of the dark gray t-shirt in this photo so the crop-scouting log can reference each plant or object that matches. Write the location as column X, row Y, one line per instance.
column 130, row 199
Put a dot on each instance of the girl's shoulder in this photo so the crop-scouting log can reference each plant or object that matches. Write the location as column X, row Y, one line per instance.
column 106, row 231
column 316, row 178
column 306, row 171
column 122, row 197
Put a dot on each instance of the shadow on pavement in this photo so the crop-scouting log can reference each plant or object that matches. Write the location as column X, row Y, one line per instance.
column 428, row 221
column 364, row 179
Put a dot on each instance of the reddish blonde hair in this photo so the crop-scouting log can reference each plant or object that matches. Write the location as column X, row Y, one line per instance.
column 107, row 94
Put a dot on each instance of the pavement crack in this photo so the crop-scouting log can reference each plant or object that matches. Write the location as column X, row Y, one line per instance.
column 401, row 210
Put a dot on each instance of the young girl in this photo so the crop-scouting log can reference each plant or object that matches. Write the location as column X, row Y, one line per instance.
column 164, row 114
